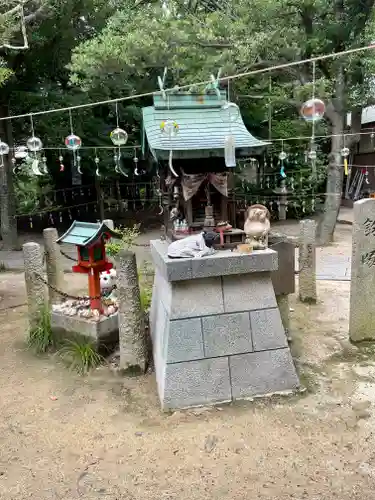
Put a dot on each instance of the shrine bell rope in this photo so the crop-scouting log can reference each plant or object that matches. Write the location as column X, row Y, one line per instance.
column 204, row 83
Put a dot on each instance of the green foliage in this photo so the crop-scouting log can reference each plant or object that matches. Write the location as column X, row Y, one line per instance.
column 80, row 354
column 128, row 238
column 145, row 276
column 41, row 337
column 31, row 193
column 146, row 296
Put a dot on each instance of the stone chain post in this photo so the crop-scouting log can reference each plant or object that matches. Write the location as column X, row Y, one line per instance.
column 55, row 273
column 307, row 261
column 132, row 338
column 35, row 288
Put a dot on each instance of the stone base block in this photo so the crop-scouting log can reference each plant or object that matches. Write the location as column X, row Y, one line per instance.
column 218, row 337
column 104, row 331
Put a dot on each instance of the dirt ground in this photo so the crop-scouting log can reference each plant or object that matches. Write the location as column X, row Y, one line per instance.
column 68, row 437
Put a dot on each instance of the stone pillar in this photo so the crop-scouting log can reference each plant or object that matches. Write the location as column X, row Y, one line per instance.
column 130, row 314
column 35, row 288
column 109, row 223
column 307, row 261
column 55, row 274
column 362, row 288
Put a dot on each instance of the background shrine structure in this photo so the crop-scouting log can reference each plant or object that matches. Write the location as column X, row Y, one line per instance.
column 202, row 193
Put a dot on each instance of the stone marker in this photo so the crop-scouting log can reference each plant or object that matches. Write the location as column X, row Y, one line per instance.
column 133, row 352
column 307, row 261
column 55, row 274
column 35, row 288
column 362, row 288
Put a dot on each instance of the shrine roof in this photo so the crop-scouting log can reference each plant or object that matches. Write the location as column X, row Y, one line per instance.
column 85, row 234
column 203, row 125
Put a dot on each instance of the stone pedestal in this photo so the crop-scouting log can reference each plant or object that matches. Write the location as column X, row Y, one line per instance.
column 103, row 332
column 216, row 329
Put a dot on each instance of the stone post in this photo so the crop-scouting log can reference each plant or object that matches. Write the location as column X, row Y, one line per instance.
column 35, row 288
column 130, row 314
column 307, row 261
column 55, row 274
column 362, row 288
column 109, row 223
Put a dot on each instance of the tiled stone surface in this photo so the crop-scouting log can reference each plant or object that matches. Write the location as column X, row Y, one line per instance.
column 261, row 373
column 185, row 341
column 267, row 329
column 226, row 334
column 197, row 383
column 248, row 292
column 225, row 263
column 198, row 297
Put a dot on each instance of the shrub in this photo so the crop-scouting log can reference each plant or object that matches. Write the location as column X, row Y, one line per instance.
column 80, row 354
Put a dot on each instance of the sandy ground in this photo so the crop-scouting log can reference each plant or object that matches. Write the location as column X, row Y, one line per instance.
column 104, row 437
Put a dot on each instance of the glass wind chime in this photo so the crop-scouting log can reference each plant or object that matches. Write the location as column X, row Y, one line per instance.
column 119, row 138
column 312, row 111
column 169, row 128
column 74, row 143
column 232, row 112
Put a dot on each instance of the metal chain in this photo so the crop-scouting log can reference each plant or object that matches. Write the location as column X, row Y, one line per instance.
column 68, row 256
column 67, row 295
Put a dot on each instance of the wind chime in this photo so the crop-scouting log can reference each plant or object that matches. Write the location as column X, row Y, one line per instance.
column 74, row 143
column 35, row 145
column 312, row 111
column 169, row 127
column 119, row 137
column 231, row 114
column 345, row 154
column 282, row 158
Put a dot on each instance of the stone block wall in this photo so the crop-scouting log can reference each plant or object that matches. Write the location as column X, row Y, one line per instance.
column 216, row 329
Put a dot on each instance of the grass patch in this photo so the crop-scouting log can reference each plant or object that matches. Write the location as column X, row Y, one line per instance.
column 80, row 354
column 41, row 337
column 3, row 267
column 146, row 296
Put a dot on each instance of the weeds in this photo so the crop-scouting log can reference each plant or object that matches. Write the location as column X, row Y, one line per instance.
column 128, row 237
column 80, row 354
column 41, row 337
column 3, row 267
column 146, row 296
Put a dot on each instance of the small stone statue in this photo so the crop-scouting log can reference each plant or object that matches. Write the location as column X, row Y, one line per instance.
column 257, row 226
column 196, row 245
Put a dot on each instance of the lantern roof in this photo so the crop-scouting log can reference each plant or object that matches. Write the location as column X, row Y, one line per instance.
column 85, row 234
column 203, row 122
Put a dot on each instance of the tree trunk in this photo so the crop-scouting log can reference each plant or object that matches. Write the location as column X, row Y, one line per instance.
column 326, row 227
column 8, row 222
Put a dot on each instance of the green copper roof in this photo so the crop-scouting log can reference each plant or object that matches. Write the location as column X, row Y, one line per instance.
column 85, row 234
column 200, row 129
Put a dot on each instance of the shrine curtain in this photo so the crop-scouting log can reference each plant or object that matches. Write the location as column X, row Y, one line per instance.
column 192, row 182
